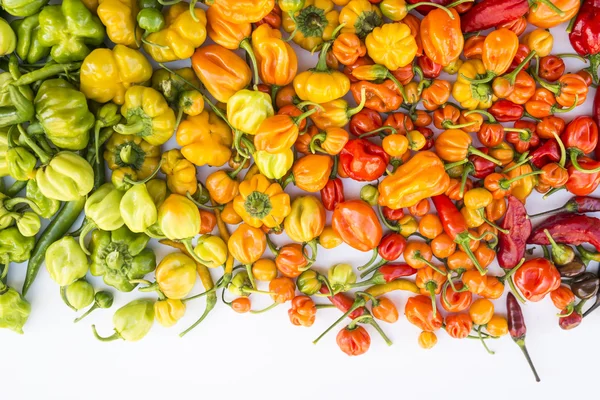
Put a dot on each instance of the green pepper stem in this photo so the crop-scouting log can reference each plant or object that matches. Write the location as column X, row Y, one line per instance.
column 375, row 267
column 272, row 306
column 473, row 150
column 553, row 7
column 363, row 100
column 494, row 225
column 400, row 86
column 322, row 63
column 513, row 75
column 45, row 72
column 371, row 261
column 272, row 246
column 245, row 45
column 392, row 130
column 575, row 162
column 375, row 325
column 505, row 183
column 463, row 240
column 321, row 306
column 448, row 125
column 521, row 344
column 430, row 4
column 482, row 112
column 463, row 180
column 455, row 164
column 483, row 341
column 306, row 114
column 313, row 146
column 114, row 336
column 203, row 206
column 147, row 179
column 358, row 302
column 385, row 221
column 85, row 314
column 87, row 228
column 131, row 128
column 251, row 275
column 518, row 164
column 211, row 301
column 42, row 155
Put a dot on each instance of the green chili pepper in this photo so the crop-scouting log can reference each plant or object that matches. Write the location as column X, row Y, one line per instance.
column 132, row 321
column 78, row 294
column 151, row 20
column 65, row 261
column 66, row 178
column 14, row 309
column 341, row 275
column 3, row 151
column 14, row 247
column 29, row 49
column 70, row 29
column 28, row 223
column 8, row 39
column 121, row 256
column 21, row 163
column 138, row 209
column 22, row 8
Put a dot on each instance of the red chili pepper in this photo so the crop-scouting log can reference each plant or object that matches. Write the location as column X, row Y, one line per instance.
column 585, row 34
column 391, row 246
column 343, row 303
column 523, row 137
column 391, row 272
column 332, row 193
column 570, row 321
column 583, row 183
column 506, row 111
column 511, row 247
column 366, row 120
column 362, row 160
column 522, row 52
column 401, row 122
column 577, row 204
column 430, row 69
column 517, row 328
column 547, row 153
column 489, row 13
column 536, row 278
column 481, row 166
column 568, row 229
column 596, row 114
column 428, row 135
column 580, row 137
column 455, row 226
column 392, row 215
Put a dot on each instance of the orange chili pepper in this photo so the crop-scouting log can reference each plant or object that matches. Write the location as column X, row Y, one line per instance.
column 385, row 310
column 427, row 340
column 414, row 24
column 277, row 60
column 417, row 254
column 496, row 209
column 459, row 260
column 485, row 255
column 401, row 122
column 264, row 270
column 485, row 286
column 442, row 37
column 421, row 118
column 225, row 33
column 208, row 221
column 348, row 47
column 291, row 260
column 570, row 89
column 331, row 141
column 419, row 312
column 222, row 187
column 550, row 127
column 518, row 25
column 455, row 191
column 286, row 96
column 279, row 132
column 473, row 48
column 456, row 301
column 229, row 215
column 420, row 209
column 523, row 88
column 454, row 145
column 380, row 97
column 499, row 49
column 246, row 11
column 442, row 246
column 282, row 289
column 543, row 16
column 303, row 311
column 436, row 94
column 336, row 113
column 247, row 244
column 357, row 224
column 458, row 326
column 311, row 172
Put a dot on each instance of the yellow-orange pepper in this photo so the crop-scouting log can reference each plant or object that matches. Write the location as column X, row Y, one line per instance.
column 314, row 24
column 543, row 16
column 279, row 132
column 311, row 172
column 392, row 45
column 205, row 139
column 306, row 220
column 247, row 244
column 244, row 11
column 420, row 177
column 222, row 186
column 277, row 61
column 119, row 18
column 539, row 40
column 221, row 71
column 523, row 187
column 442, row 37
column 336, row 113
column 331, row 141
column 181, row 35
column 329, row 238
column 499, row 50
column 261, row 202
column 360, row 17
column 176, row 275
column 470, row 93
column 181, row 174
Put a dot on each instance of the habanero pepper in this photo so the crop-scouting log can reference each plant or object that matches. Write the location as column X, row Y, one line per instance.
column 333, row 193
column 550, row 13
column 585, row 35
column 357, row 224
column 506, row 111
column 362, row 160
column 366, row 120
column 536, row 278
column 380, row 97
column 583, row 183
column 441, row 36
column 580, row 138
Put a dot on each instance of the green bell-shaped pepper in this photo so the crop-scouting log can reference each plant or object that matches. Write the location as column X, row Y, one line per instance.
column 29, row 49
column 14, row 309
column 138, row 209
column 102, row 299
column 3, row 151
column 8, row 39
column 121, row 256
column 65, row 261
column 63, row 114
column 28, row 224
column 102, row 207
column 47, row 207
column 22, row 8
column 132, row 321
column 66, row 178
column 78, row 295
column 14, row 247
column 69, row 29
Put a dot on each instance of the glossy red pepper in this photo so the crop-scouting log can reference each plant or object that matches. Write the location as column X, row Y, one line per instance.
column 391, row 246
column 401, row 122
column 362, row 160
column 585, row 34
column 568, row 229
column 583, row 183
column 489, row 13
column 547, row 153
column 430, row 69
column 524, row 136
column 343, row 303
column 481, row 166
column 580, row 137
column 506, row 111
column 536, row 278
column 332, row 194
column 512, row 245
column 517, row 328
column 391, row 214
column 522, row 53
column 366, row 120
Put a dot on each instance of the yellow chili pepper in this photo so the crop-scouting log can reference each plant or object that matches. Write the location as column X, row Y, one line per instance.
column 222, row 187
column 119, row 18
column 397, row 284
column 106, row 74
column 477, row 198
column 472, row 95
column 212, row 249
column 168, row 311
column 181, row 174
column 329, row 238
column 274, row 165
column 314, row 24
column 205, row 139
column 539, row 40
column 392, row 45
column 261, row 202
column 126, row 151
column 473, row 218
column 306, row 220
column 247, row 109
column 360, row 17
column 176, row 275
column 181, row 35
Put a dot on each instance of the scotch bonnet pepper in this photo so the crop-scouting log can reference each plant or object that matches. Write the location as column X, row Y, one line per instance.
column 119, row 18
column 205, row 139
column 106, row 74
column 132, row 321
column 357, row 224
column 14, row 309
column 313, row 24
column 65, row 261
column 29, row 49
column 23, row 8
column 66, row 178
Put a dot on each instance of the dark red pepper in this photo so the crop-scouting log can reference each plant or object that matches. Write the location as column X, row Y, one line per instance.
column 343, row 303
column 332, row 193
column 387, row 273
column 430, row 69
column 580, row 138
column 362, row 160
column 481, row 167
column 518, row 329
column 428, row 135
column 424, row 10
column 366, row 120
column 585, row 34
column 512, row 246
column 547, row 153
column 506, row 111
column 391, row 246
column 401, row 122
column 570, row 321
column 392, row 215
column 522, row 53
column 489, row 13
column 551, row 68
column 568, row 229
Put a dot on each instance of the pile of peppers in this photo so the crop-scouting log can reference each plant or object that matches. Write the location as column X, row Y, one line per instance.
column 456, row 121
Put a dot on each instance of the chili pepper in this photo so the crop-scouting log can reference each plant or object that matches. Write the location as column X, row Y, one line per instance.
column 392, row 45
column 586, row 285
column 303, row 311
column 471, row 89
column 455, row 300
column 580, row 137
column 347, row 48
column 454, row 145
column 290, row 259
column 332, row 194
column 474, row 47
column 568, row 229
column 572, row 269
column 458, row 326
column 427, row 340
column 547, row 153
column 362, row 160
column 314, row 23
column 584, row 35
column 517, row 328
column 583, row 183
column 442, row 48
column 506, row 111
column 430, row 282
column 380, row 97
column 366, row 120
column 522, row 58
column 132, row 322
column 577, row 204
column 562, row 297
column 357, row 224
column 430, row 69
column 353, row 340
column 593, row 307
column 419, row 312
column 490, row 13
column 436, row 94
column 536, row 278
column 277, row 61
column 421, row 177
column 549, row 14
column 446, row 117
column 455, row 226
column 517, row 25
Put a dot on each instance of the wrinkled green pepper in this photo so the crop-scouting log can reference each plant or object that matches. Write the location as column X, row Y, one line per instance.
column 16, row 102
column 70, row 29
column 29, row 49
column 28, row 223
column 66, row 178
column 138, row 209
column 22, row 8
column 121, row 256
column 14, row 309
column 102, row 207
column 65, row 261
column 78, row 294
column 14, row 247
column 8, row 39
column 3, row 151
column 64, row 114
column 132, row 321
column 21, row 163
column 48, row 207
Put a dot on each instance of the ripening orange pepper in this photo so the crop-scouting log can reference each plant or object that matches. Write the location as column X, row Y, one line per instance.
column 414, row 24
column 347, row 48
column 545, row 17
column 357, row 224
column 279, row 132
column 458, row 326
column 442, row 37
column 247, row 244
column 306, row 220
column 277, row 61
column 222, row 187
column 454, row 145
column 261, row 202
column 499, row 50
column 473, row 48
column 221, row 71
column 312, row 172
column 331, row 141
column 485, row 286
column 225, row 33
column 420, row 177
column 419, row 312
column 436, row 94
column 336, row 113
column 244, row 11
column 523, row 88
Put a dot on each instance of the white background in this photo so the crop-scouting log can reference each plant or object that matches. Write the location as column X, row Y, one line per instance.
column 265, row 356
